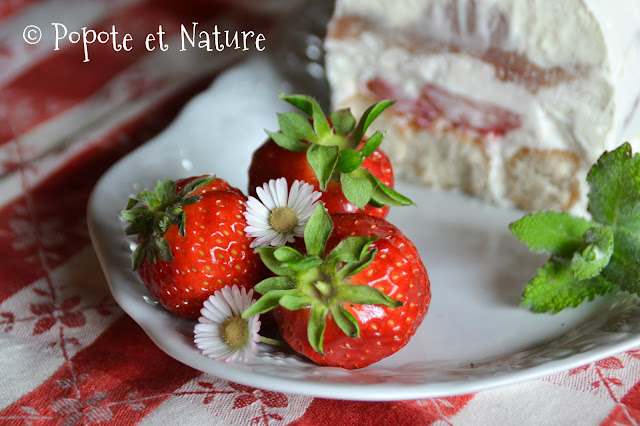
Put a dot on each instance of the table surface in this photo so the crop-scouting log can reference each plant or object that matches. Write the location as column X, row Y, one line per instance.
column 69, row 354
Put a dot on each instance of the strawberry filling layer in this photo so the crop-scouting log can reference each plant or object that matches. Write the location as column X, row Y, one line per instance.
column 437, row 103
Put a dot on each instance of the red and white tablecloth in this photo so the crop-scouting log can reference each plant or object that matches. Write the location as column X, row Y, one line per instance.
column 68, row 353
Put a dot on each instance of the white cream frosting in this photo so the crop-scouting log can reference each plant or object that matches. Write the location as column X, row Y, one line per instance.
column 551, row 32
column 586, row 114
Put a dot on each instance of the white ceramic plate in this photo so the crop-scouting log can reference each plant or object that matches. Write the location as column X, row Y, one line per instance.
column 475, row 335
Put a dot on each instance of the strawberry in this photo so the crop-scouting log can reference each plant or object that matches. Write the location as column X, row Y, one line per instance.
column 357, row 295
column 332, row 154
column 192, row 242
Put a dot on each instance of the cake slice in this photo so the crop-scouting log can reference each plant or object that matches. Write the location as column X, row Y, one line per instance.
column 510, row 101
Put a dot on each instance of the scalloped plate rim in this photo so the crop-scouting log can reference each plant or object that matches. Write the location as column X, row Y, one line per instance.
column 129, row 293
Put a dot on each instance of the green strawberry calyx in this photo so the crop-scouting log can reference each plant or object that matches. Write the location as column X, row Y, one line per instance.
column 317, row 282
column 152, row 213
column 333, row 150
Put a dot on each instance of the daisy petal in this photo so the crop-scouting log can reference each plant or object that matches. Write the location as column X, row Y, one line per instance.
column 301, row 197
column 264, row 194
column 224, row 304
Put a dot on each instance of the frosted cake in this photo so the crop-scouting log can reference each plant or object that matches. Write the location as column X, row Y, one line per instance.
column 510, row 101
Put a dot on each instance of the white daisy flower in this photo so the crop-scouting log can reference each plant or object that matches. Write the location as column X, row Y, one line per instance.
column 279, row 215
column 221, row 333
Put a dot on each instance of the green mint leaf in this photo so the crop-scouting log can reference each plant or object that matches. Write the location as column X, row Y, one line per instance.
column 368, row 116
column 349, row 160
column 365, row 295
column 372, row 144
column 598, row 248
column 351, row 249
column 316, row 326
column 623, row 269
column 296, row 126
column 356, row 189
column 267, row 255
column 345, row 321
column 275, row 283
column 343, row 121
column 317, row 231
column 559, row 234
column 311, row 107
column 323, row 160
column 287, row 142
column 614, row 196
column 554, row 288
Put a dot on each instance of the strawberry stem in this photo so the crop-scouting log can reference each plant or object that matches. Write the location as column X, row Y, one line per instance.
column 157, row 212
column 332, row 148
column 319, row 283
column 272, row 342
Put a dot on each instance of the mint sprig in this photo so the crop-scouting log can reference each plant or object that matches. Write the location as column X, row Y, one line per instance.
column 334, row 149
column 317, row 282
column 588, row 257
column 554, row 288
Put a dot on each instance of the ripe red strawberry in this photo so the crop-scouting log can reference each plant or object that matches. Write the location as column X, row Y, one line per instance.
column 271, row 161
column 352, row 301
column 192, row 242
column 332, row 154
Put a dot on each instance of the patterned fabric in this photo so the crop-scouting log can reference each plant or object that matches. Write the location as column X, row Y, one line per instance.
column 68, row 354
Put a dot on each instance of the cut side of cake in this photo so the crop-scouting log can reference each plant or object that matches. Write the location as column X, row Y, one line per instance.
column 509, row 101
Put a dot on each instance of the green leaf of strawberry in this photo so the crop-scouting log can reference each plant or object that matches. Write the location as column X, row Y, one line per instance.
column 382, row 194
column 323, row 160
column 275, row 283
column 349, row 160
column 296, row 126
column 317, row 231
column 343, row 121
column 160, row 209
column 358, row 190
column 372, row 144
column 368, row 117
column 322, row 285
column 188, row 251
column 337, row 149
column 287, row 142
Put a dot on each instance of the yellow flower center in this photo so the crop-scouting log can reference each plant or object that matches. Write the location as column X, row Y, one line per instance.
column 234, row 332
column 283, row 220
